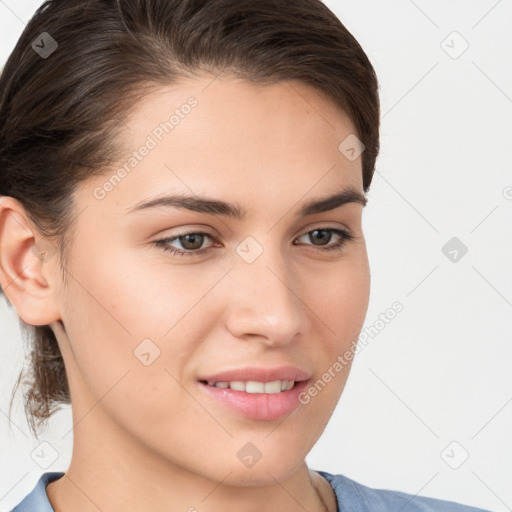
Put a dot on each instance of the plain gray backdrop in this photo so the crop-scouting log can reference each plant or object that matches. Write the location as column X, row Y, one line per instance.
column 428, row 405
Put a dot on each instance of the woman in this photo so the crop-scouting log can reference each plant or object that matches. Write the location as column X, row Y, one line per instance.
column 181, row 232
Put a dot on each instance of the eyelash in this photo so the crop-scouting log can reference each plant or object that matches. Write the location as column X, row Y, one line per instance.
column 164, row 243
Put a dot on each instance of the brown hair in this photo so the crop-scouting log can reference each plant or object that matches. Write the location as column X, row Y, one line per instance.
column 60, row 112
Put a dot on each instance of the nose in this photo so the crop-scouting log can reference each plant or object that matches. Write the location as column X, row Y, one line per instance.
column 264, row 302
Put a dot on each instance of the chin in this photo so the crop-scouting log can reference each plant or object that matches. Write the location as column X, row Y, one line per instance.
column 277, row 467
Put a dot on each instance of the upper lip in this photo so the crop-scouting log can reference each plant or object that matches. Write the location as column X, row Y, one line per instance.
column 259, row 374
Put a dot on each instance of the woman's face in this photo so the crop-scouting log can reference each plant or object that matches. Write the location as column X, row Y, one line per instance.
column 264, row 290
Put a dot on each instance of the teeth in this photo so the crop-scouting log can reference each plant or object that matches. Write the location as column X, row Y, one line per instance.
column 272, row 387
column 237, row 385
column 252, row 386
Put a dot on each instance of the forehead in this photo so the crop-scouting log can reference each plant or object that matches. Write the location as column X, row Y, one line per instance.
column 224, row 135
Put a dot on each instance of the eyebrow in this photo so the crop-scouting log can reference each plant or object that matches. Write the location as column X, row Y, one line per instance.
column 235, row 211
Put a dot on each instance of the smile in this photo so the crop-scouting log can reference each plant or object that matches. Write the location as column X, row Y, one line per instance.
column 252, row 386
column 254, row 399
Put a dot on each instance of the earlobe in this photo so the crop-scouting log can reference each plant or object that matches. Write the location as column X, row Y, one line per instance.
column 26, row 265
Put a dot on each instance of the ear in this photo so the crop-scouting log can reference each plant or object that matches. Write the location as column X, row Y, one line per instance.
column 28, row 266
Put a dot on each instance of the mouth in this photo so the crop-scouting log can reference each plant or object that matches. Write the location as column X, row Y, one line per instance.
column 253, row 386
column 255, row 400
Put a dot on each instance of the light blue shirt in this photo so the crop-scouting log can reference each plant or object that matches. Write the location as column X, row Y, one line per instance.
column 351, row 496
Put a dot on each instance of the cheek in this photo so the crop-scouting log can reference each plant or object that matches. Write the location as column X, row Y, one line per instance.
column 138, row 296
column 121, row 363
column 118, row 317
column 340, row 299
column 340, row 306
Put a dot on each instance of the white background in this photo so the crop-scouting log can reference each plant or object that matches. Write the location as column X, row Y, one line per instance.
column 441, row 371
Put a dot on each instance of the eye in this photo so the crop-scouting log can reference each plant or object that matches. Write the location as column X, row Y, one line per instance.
column 324, row 235
column 192, row 241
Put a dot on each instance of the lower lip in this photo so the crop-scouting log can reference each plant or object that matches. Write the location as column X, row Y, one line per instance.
column 258, row 406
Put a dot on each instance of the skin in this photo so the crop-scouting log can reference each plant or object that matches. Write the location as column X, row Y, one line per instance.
column 145, row 437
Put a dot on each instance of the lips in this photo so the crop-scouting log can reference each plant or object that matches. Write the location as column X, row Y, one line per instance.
column 259, row 374
column 256, row 406
column 253, row 403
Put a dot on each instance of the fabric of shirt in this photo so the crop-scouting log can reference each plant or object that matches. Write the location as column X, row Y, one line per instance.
column 351, row 496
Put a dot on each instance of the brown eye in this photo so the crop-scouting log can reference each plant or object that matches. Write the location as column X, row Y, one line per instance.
column 324, row 235
column 190, row 243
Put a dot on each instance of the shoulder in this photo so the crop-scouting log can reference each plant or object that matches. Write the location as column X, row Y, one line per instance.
column 37, row 499
column 352, row 495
